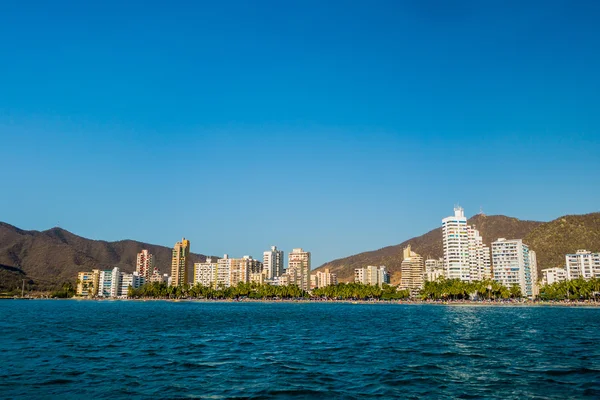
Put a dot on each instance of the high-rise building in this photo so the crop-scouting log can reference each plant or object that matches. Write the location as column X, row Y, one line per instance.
column 583, row 264
column 322, row 278
column 273, row 263
column 371, row 275
column 144, row 265
column 87, row 283
column 241, row 269
column 299, row 268
column 552, row 275
column 180, row 273
column 205, row 273
column 480, row 267
column 456, row 246
column 223, row 272
column 512, row 265
column 434, row 269
column 466, row 257
column 411, row 270
column 114, row 283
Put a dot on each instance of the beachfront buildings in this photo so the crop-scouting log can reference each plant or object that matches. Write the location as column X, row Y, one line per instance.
column 434, row 269
column 411, row 270
column 87, row 283
column 273, row 263
column 322, row 279
column 115, row 283
column 513, row 264
column 227, row 272
column 466, row 257
column 180, row 263
column 158, row 277
column 371, row 275
column 583, row 264
column 553, row 275
column 298, row 271
column 144, row 264
column 205, row 273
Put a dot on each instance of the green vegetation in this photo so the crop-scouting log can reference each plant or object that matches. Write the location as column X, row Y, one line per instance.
column 342, row 291
column 358, row 291
column 249, row 290
column 455, row 289
column 67, row 291
column 576, row 289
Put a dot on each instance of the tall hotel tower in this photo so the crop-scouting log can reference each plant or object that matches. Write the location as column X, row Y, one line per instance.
column 144, row 265
column 299, row 268
column 456, row 246
column 273, row 262
column 180, row 263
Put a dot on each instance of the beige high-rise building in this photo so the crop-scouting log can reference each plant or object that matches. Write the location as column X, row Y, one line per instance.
column 372, row 275
column 144, row 265
column 299, row 268
column 87, row 283
column 322, row 278
column 411, row 270
column 180, row 273
column 434, row 269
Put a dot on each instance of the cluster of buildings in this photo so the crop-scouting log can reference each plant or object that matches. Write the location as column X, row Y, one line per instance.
column 215, row 272
column 583, row 264
column 467, row 258
column 508, row 261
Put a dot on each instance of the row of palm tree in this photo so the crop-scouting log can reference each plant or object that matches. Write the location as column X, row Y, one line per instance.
column 359, row 291
column 251, row 290
column 455, row 289
column 576, row 289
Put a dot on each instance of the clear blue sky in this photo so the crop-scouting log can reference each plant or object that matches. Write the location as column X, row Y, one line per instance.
column 339, row 127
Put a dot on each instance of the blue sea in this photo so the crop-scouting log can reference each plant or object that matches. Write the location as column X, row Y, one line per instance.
column 62, row 349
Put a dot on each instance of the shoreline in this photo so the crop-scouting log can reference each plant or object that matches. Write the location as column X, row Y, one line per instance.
column 458, row 303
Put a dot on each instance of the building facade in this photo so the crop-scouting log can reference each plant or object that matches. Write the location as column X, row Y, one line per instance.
column 371, row 275
column 583, row 264
column 323, row 278
column 205, row 273
column 114, row 283
column 513, row 264
column 87, row 283
column 411, row 270
column 553, row 275
column 455, row 236
column 434, row 269
column 180, row 273
column 273, row 263
column 144, row 265
column 298, row 270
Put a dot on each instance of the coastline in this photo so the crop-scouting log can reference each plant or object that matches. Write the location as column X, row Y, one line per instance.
column 457, row 303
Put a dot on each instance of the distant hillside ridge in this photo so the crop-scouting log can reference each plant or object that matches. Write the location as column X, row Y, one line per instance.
column 550, row 240
column 49, row 258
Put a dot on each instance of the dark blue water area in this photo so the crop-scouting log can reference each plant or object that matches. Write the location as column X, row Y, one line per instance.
column 129, row 349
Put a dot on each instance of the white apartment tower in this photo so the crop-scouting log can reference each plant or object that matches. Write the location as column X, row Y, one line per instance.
column 456, row 246
column 552, row 275
column 583, row 264
column 205, row 273
column 513, row 264
column 466, row 257
column 434, row 269
column 144, row 265
column 480, row 267
column 299, row 268
column 273, row 263
column 371, row 275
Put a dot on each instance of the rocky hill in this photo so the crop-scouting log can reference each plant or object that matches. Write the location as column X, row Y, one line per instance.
column 49, row 258
column 551, row 241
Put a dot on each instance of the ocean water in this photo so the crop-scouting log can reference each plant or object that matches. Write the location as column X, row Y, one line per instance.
column 123, row 349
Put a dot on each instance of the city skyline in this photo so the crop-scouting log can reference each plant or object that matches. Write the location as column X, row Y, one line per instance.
column 321, row 126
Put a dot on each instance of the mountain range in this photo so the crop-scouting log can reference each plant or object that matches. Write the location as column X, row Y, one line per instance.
column 49, row 258
column 550, row 240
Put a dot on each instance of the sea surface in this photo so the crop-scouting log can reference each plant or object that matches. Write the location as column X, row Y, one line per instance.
column 62, row 349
